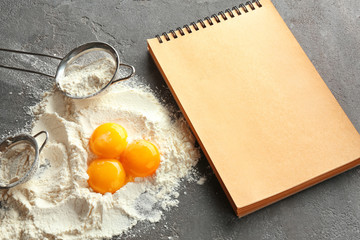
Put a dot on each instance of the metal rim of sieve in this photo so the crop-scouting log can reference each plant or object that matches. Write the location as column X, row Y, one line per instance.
column 14, row 140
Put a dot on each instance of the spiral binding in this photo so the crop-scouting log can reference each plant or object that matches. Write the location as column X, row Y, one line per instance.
column 248, row 6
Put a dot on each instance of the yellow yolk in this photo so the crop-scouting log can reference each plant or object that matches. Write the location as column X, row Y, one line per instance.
column 140, row 159
column 106, row 175
column 108, row 140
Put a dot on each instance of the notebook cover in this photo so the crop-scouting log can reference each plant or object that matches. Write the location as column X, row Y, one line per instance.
column 266, row 121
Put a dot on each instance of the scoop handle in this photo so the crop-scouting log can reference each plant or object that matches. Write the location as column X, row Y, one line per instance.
column 28, row 53
column 46, row 138
column 127, row 77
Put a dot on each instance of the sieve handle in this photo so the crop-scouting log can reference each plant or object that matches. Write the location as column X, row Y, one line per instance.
column 28, row 53
column 127, row 77
column 46, row 138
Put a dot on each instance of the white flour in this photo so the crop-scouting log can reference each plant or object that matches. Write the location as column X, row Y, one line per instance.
column 84, row 80
column 58, row 203
column 15, row 162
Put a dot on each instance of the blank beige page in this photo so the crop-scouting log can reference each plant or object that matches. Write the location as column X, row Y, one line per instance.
column 265, row 119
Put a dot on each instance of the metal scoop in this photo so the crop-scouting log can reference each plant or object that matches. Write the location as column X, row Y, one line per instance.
column 76, row 55
column 19, row 159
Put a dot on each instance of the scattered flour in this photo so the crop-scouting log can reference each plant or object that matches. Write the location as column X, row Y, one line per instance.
column 57, row 202
column 201, row 180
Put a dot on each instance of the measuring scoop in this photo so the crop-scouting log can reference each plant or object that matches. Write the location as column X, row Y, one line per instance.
column 19, row 158
column 76, row 59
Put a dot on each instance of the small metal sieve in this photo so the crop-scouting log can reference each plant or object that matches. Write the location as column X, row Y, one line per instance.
column 72, row 57
column 31, row 160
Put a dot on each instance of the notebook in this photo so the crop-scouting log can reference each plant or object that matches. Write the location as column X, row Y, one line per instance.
column 266, row 121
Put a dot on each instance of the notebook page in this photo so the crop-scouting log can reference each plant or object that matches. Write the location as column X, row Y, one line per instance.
column 265, row 119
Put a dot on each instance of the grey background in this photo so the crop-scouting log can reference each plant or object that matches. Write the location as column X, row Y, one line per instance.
column 328, row 31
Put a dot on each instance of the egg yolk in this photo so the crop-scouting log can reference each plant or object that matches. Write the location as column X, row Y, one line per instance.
column 106, row 175
column 108, row 140
column 140, row 159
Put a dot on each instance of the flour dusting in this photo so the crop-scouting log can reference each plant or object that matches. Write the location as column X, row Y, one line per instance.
column 57, row 202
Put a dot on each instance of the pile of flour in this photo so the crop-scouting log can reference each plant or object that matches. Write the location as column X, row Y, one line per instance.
column 57, row 202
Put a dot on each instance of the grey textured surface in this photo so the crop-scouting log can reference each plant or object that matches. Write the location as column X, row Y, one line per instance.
column 328, row 31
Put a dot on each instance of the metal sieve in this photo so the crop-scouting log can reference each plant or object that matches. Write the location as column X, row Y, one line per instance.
column 32, row 160
column 72, row 57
